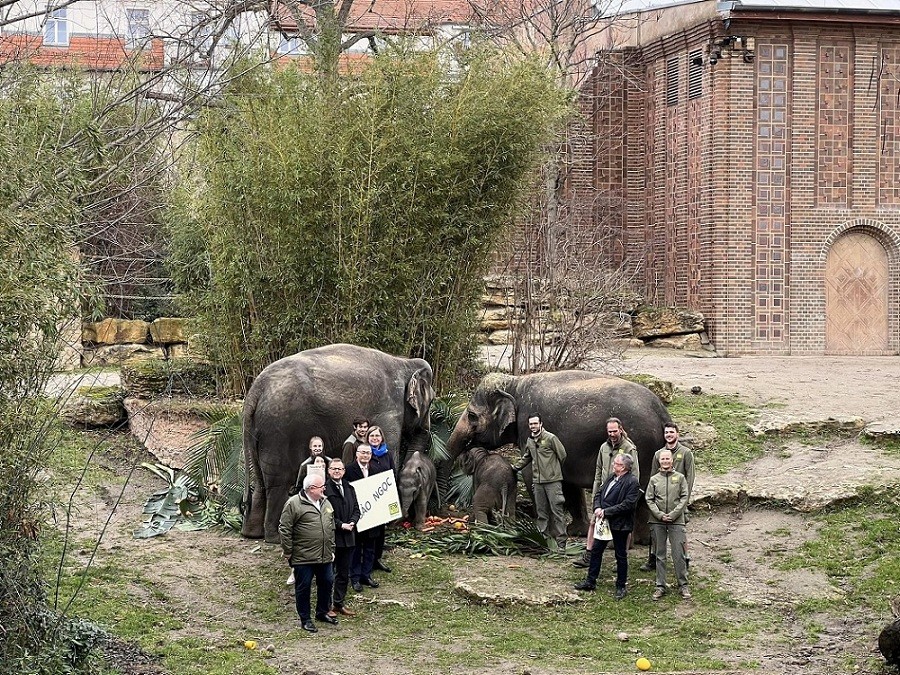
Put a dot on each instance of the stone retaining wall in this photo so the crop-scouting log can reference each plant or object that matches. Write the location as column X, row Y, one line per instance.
column 112, row 342
column 635, row 325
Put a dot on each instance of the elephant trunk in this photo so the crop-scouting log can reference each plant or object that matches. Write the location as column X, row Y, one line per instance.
column 459, row 439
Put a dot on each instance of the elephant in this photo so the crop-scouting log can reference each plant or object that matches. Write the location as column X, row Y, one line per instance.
column 319, row 392
column 494, row 482
column 574, row 405
column 417, row 482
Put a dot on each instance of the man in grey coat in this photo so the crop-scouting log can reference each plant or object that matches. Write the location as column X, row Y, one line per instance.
column 306, row 531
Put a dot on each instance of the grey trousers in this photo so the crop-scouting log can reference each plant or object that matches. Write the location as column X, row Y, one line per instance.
column 549, row 505
column 676, row 536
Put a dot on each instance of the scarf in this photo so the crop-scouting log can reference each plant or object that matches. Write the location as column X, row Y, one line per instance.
column 380, row 451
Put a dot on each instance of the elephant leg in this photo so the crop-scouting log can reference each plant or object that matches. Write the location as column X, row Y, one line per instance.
column 276, row 496
column 641, row 533
column 575, row 505
column 482, row 503
column 252, row 527
column 421, row 508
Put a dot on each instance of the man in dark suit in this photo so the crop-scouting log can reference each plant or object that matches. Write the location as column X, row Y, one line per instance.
column 614, row 503
column 346, row 514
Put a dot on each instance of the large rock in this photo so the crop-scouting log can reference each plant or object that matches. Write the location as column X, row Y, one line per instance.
column 889, row 643
column 499, row 337
column 167, row 330
column 173, row 377
column 117, row 355
column 664, row 389
column 689, row 342
column 661, row 322
column 115, row 332
column 496, row 318
column 70, row 349
column 883, row 430
column 95, row 407
column 779, row 422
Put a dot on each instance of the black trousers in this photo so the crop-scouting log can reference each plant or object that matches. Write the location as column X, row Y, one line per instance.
column 343, row 555
column 620, row 542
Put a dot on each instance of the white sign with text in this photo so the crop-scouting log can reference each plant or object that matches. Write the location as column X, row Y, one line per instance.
column 379, row 502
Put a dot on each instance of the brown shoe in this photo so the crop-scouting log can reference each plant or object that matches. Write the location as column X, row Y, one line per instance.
column 345, row 611
column 686, row 593
column 332, row 614
column 659, row 592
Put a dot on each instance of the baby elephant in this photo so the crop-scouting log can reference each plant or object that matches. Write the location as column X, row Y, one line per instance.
column 418, row 480
column 494, row 483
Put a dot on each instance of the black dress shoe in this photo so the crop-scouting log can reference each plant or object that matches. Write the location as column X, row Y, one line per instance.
column 381, row 567
column 309, row 626
column 356, row 586
column 621, row 593
column 371, row 583
column 584, row 586
column 327, row 619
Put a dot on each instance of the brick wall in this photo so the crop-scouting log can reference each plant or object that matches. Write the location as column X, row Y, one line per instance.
column 731, row 198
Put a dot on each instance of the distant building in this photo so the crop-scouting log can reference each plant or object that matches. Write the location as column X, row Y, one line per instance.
column 751, row 153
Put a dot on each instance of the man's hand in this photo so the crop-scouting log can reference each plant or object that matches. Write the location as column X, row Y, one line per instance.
column 667, row 518
column 598, row 513
column 347, row 526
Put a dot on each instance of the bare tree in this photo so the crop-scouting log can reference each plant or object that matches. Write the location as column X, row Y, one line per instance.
column 568, row 307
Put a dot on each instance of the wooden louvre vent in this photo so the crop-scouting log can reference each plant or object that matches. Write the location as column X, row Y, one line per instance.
column 695, row 75
column 672, row 82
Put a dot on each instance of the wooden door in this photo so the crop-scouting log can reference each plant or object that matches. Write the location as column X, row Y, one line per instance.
column 856, row 290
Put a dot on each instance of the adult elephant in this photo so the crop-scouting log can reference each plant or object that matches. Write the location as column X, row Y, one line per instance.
column 574, row 405
column 319, row 392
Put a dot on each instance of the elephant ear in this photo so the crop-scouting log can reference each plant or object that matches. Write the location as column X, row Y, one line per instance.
column 419, row 392
column 504, row 411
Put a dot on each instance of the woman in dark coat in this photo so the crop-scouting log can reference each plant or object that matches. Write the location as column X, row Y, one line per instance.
column 614, row 503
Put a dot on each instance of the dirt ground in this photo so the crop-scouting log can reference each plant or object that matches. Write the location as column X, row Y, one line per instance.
column 732, row 546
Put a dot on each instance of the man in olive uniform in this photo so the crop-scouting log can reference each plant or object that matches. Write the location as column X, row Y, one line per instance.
column 683, row 463
column 667, row 496
column 546, row 454
column 617, row 443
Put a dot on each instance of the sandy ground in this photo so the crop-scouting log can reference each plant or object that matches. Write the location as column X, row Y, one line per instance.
column 733, row 546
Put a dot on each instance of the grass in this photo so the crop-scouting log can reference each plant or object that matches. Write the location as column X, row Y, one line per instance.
column 858, row 548
column 734, row 444
column 129, row 593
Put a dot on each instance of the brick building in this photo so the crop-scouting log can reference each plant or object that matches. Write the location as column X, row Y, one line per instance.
column 754, row 149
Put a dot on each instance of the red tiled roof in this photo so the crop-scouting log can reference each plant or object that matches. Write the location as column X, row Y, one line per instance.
column 89, row 53
column 388, row 16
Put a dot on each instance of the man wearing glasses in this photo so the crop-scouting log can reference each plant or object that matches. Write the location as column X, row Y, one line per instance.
column 306, row 531
column 346, row 514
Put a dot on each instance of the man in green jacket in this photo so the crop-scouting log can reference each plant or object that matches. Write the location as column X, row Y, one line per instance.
column 667, row 497
column 546, row 454
column 306, row 531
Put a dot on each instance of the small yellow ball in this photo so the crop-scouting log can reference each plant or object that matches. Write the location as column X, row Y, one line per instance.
column 643, row 664
column 250, row 644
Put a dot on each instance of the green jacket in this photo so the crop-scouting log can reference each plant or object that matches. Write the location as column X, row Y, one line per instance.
column 605, row 458
column 682, row 462
column 667, row 494
column 307, row 533
column 547, row 454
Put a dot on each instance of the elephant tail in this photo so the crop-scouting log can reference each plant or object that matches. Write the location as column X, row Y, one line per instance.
column 251, row 451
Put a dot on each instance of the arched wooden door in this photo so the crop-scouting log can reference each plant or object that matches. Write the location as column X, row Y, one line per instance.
column 856, row 296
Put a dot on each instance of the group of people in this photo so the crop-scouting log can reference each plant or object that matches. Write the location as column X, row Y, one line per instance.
column 616, row 493
column 318, row 531
column 318, row 524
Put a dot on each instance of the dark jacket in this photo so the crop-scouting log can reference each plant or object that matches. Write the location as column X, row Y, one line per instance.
column 346, row 510
column 383, row 463
column 354, row 472
column 307, row 533
column 619, row 505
